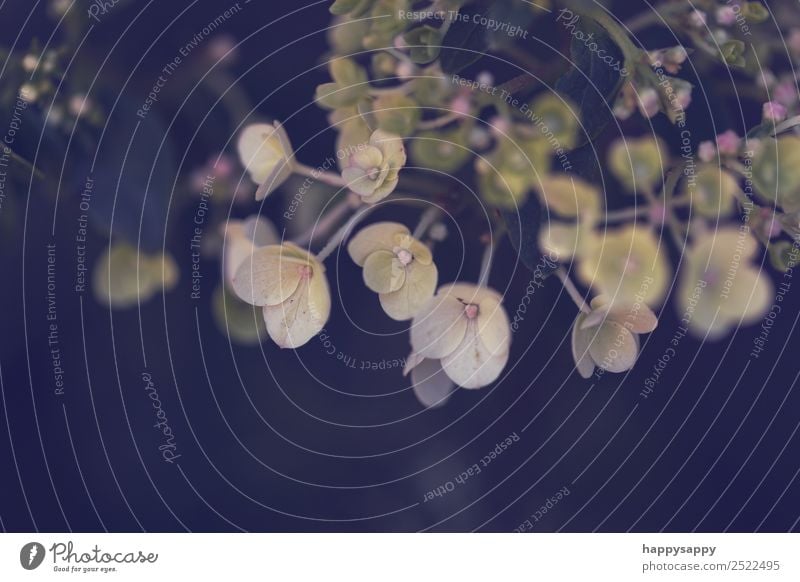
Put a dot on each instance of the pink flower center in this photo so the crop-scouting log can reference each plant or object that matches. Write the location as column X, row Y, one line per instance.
column 404, row 256
column 471, row 311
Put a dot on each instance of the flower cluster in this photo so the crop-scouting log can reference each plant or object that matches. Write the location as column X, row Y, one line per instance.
column 639, row 226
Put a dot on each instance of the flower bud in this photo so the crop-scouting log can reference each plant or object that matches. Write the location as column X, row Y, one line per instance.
column 637, row 162
column 266, row 153
column 425, row 43
column 396, row 266
column 444, row 150
column 125, row 276
column 396, row 114
column 350, row 84
column 720, row 284
column 608, row 338
column 290, row 284
column 714, row 192
column 373, row 171
column 627, row 264
column 776, row 172
column 465, row 328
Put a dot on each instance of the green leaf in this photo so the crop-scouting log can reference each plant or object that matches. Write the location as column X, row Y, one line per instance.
column 466, row 41
column 593, row 83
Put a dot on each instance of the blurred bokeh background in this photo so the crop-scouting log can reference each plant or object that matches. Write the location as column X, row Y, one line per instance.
column 281, row 440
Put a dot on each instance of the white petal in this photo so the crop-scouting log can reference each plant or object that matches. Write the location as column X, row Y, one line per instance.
column 413, row 360
column 614, row 348
column 432, row 386
column 639, row 319
column 266, row 153
column 302, row 316
column 439, row 327
column 417, row 290
column 472, row 365
column 242, row 237
column 581, row 340
column 493, row 325
column 378, row 236
column 260, row 231
column 383, row 272
column 267, row 276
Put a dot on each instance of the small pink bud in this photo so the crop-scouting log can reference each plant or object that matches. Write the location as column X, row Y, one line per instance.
column 649, row 103
column 774, row 111
column 657, row 213
column 794, row 41
column 222, row 47
column 726, row 15
column 405, row 69
column 706, row 151
column 471, row 311
column 499, row 125
column 223, row 168
column 485, row 78
column 404, row 257
column 772, row 227
column 728, row 143
column 785, row 93
column 461, row 105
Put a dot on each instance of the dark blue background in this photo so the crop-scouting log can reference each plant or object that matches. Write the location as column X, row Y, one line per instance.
column 265, row 447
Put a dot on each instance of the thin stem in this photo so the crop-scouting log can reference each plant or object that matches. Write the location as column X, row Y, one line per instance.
column 426, row 220
column 327, row 222
column 486, row 263
column 403, row 89
column 618, row 34
column 626, row 214
column 323, row 176
column 675, row 227
column 439, row 121
column 788, row 124
column 572, row 290
column 340, row 234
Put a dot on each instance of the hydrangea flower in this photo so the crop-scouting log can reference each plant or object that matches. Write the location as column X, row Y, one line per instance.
column 715, row 191
column 569, row 196
column 720, row 287
column 608, row 337
column 464, row 328
column 627, row 264
column 637, row 162
column 290, row 284
column 242, row 237
column 373, row 170
column 125, row 276
column 776, row 172
column 508, row 173
column 266, row 152
column 396, row 266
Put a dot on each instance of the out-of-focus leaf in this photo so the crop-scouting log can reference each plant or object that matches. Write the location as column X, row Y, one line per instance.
column 592, row 84
column 467, row 40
